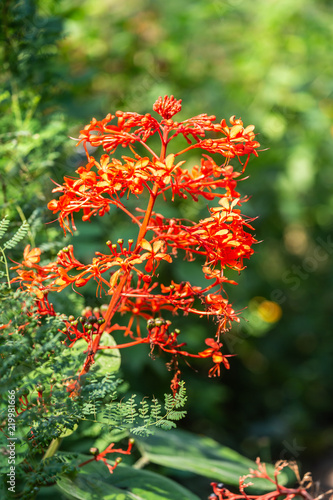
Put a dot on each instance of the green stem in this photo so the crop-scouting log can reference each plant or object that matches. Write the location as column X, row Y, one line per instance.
column 142, row 462
column 6, row 266
column 23, row 219
column 54, row 445
column 16, row 106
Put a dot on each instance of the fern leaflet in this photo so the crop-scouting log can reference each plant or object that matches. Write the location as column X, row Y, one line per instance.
column 18, row 236
column 3, row 226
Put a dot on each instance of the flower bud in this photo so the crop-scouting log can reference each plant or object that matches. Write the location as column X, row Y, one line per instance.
column 150, row 324
column 159, row 322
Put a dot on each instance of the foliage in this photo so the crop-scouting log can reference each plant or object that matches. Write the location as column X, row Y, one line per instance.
column 11, row 243
column 127, row 484
column 31, row 132
column 184, row 451
column 38, row 367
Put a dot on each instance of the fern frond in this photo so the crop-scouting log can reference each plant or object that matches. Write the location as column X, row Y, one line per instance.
column 142, row 430
column 34, row 220
column 3, row 226
column 18, row 236
column 176, row 415
column 156, row 410
column 180, row 397
column 111, row 414
column 129, row 410
column 169, row 402
column 166, row 425
column 144, row 409
column 89, row 409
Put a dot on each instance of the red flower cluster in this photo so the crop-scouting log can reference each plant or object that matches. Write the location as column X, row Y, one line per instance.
column 127, row 273
column 101, row 455
column 221, row 492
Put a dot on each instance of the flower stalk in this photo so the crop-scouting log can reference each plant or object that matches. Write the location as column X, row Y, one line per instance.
column 129, row 276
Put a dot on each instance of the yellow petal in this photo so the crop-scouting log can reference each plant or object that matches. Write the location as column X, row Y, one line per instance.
column 235, row 130
column 146, row 245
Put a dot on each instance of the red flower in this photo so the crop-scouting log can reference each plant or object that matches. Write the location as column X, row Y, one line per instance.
column 167, row 107
column 154, row 254
column 128, row 274
column 217, row 357
column 31, row 257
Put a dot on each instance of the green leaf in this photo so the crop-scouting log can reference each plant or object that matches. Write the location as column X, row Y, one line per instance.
column 107, row 360
column 94, row 481
column 67, row 432
column 202, row 455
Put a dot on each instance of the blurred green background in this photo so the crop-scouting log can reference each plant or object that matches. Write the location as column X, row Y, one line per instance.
column 269, row 62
